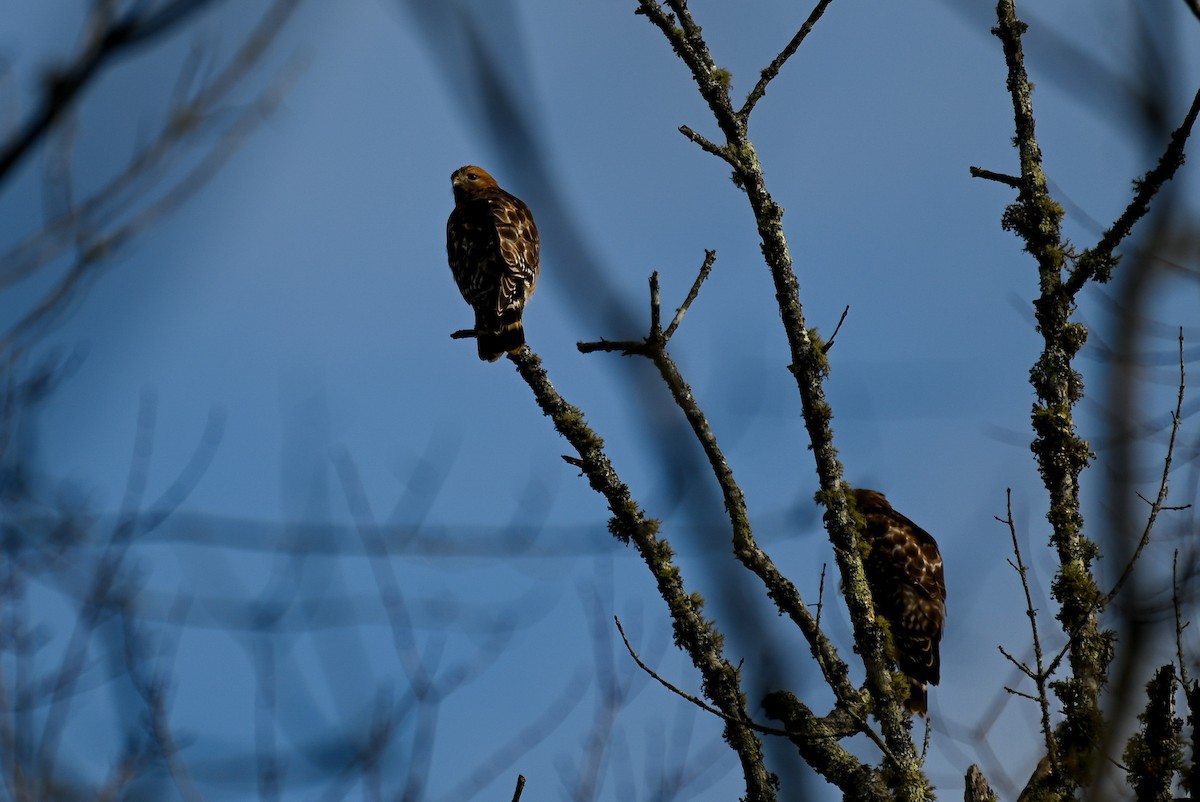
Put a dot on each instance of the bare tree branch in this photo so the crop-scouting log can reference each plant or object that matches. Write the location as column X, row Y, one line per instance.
column 1098, row 262
column 693, row 633
column 772, row 69
column 1041, row 675
column 1159, row 503
column 809, row 367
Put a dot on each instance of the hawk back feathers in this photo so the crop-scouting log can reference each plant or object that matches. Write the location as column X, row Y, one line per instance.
column 904, row 569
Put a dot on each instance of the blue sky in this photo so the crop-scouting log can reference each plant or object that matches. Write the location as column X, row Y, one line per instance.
column 303, row 295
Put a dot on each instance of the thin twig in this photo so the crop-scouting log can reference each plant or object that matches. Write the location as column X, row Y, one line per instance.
column 772, row 69
column 1179, row 625
column 710, row 257
column 82, row 226
column 625, row 347
column 860, row 726
column 829, row 343
column 1024, row 669
column 655, row 306
column 1097, row 262
column 1002, row 178
column 707, row 145
column 1021, row 694
column 1041, row 675
column 65, row 85
column 1158, row 505
column 1058, row 658
column 519, row 789
column 696, row 700
column 821, row 594
column 99, row 248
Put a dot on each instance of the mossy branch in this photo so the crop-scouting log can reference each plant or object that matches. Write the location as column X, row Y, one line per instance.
column 772, row 69
column 809, row 367
column 694, row 633
column 1098, row 262
column 1154, row 754
column 779, row 588
column 1061, row 454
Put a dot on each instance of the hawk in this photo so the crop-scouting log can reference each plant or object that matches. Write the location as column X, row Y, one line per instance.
column 904, row 569
column 493, row 249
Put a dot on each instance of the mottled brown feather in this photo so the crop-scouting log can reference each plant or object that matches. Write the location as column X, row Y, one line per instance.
column 904, row 569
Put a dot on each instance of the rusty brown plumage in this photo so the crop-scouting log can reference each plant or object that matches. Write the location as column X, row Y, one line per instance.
column 494, row 252
column 905, row 572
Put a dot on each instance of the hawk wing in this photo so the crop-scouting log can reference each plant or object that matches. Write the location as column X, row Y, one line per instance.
column 520, row 252
column 904, row 568
column 906, row 573
column 493, row 249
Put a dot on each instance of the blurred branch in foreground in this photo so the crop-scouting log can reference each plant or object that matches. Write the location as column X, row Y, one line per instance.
column 204, row 126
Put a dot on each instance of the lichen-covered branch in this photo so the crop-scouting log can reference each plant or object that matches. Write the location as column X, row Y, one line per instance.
column 977, row 788
column 817, row 742
column 779, row 588
column 1060, row 453
column 809, row 367
column 1155, row 753
column 1097, row 263
column 695, row 634
column 772, row 69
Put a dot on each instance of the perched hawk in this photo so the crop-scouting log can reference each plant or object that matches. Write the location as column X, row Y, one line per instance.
column 904, row 569
column 493, row 248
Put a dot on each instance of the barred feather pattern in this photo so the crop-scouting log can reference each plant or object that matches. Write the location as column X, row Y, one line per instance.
column 904, row 569
column 494, row 252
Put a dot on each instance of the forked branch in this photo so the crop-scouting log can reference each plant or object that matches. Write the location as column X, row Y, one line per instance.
column 1041, row 674
column 695, row 634
column 780, row 589
column 1160, row 501
column 809, row 367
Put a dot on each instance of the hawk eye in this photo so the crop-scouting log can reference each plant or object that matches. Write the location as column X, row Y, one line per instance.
column 472, row 176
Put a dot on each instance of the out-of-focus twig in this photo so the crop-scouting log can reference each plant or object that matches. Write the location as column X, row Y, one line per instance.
column 128, row 204
column 108, row 38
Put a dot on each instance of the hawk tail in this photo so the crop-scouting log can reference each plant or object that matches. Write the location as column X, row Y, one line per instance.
column 917, row 702
column 495, row 344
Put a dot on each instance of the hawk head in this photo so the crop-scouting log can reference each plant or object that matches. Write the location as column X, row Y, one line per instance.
column 470, row 181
